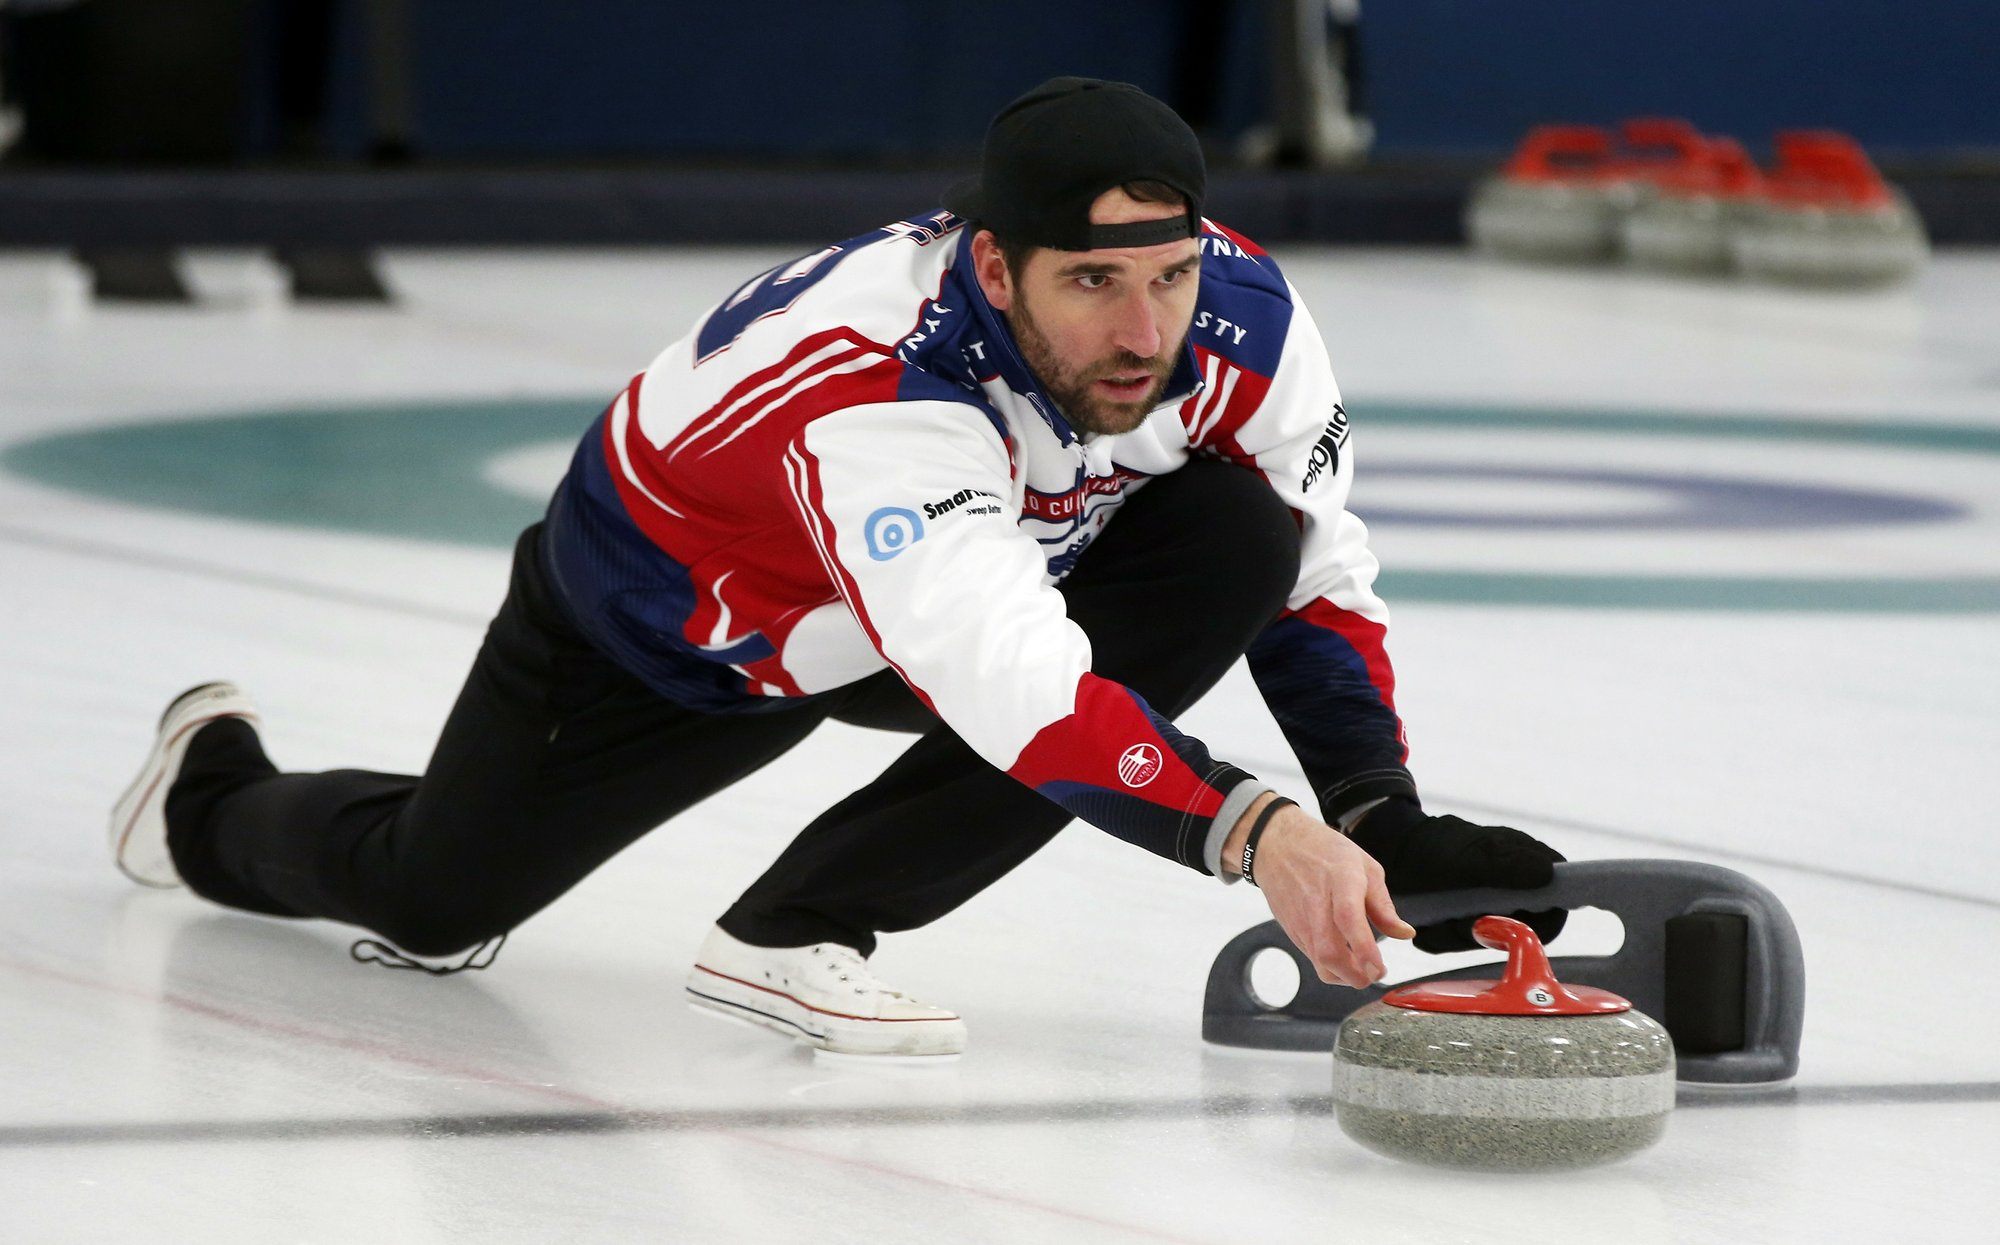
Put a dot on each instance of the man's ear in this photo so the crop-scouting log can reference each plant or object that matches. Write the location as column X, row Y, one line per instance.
column 990, row 266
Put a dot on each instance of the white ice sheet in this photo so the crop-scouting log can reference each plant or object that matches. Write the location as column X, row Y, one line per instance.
column 171, row 1072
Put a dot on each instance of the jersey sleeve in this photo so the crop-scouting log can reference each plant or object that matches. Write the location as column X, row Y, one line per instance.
column 909, row 506
column 1322, row 665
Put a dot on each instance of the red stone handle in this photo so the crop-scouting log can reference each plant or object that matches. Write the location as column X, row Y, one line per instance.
column 1528, row 978
column 1528, row 987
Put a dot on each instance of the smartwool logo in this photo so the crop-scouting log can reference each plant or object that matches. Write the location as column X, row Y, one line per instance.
column 1326, row 454
column 932, row 509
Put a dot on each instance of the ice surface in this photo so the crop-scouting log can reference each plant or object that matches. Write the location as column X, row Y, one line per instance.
column 172, row 1072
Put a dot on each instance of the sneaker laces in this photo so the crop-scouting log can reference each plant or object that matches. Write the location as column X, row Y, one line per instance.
column 846, row 965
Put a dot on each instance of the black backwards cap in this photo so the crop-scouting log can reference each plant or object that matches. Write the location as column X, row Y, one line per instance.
column 1050, row 153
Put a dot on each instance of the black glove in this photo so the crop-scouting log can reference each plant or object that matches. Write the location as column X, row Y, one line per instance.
column 1420, row 853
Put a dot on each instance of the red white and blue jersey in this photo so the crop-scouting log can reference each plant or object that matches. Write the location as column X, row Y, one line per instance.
column 847, row 466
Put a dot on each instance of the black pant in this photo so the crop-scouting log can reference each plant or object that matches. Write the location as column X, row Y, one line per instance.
column 554, row 759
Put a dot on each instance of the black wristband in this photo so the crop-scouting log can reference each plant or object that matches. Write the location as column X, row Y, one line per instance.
column 1257, row 832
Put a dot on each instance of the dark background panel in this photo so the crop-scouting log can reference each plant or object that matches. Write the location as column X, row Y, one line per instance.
column 903, row 80
column 1460, row 76
column 593, row 121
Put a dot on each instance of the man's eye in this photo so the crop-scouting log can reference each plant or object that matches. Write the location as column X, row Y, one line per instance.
column 1168, row 278
column 1094, row 281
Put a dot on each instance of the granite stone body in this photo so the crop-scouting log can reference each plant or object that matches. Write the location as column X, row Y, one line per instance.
column 1502, row 1092
column 1682, row 233
column 1551, row 222
column 1831, row 246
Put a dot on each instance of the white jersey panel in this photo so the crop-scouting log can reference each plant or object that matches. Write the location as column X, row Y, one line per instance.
column 909, row 503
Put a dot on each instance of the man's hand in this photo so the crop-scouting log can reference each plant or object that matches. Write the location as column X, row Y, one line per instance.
column 1327, row 894
column 1422, row 853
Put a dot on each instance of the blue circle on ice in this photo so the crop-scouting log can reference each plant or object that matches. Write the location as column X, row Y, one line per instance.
column 1682, row 500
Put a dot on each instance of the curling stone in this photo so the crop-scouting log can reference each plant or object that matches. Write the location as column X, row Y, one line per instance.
column 1686, row 224
column 1559, row 199
column 1656, row 148
column 1519, row 1073
column 1709, row 952
column 1827, row 218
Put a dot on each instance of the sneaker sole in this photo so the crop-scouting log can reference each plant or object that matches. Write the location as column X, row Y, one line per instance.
column 737, row 1014
column 730, row 999
column 163, row 763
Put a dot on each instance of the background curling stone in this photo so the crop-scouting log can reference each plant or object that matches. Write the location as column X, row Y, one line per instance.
column 1520, row 1073
column 1827, row 218
column 1687, row 222
column 1653, row 150
column 1559, row 199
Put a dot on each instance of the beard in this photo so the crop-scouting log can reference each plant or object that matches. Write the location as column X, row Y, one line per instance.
column 1073, row 390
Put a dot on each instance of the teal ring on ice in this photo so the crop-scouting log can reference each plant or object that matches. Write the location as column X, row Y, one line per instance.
column 415, row 470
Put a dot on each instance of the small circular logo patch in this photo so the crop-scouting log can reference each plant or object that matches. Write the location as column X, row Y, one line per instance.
column 891, row 530
column 1540, row 997
column 1139, row 765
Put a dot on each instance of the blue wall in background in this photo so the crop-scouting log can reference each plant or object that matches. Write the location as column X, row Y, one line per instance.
column 885, row 78
column 897, row 78
column 1898, row 74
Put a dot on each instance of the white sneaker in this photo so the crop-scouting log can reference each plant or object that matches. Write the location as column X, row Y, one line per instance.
column 139, row 819
column 823, row 995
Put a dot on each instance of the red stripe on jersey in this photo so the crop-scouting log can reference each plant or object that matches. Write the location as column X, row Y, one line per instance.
column 802, row 580
column 758, row 439
column 1238, row 393
column 1244, row 402
column 775, row 425
column 1237, row 238
column 768, row 443
column 772, row 670
column 1108, row 741
column 721, row 424
column 1200, row 405
column 872, row 385
column 706, row 422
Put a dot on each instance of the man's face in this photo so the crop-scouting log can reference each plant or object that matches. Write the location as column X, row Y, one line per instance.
column 1102, row 329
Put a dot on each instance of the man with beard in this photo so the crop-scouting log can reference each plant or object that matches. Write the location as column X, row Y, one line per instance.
column 1025, row 477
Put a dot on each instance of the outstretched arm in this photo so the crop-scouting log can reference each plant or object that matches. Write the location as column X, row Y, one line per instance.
column 1321, row 665
column 1323, row 668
